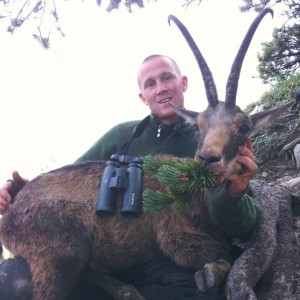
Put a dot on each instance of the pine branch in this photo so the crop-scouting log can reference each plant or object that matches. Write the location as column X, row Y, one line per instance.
column 183, row 179
column 155, row 201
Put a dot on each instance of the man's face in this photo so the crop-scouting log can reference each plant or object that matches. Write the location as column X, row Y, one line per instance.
column 160, row 84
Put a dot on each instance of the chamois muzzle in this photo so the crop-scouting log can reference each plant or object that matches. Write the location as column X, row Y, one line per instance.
column 209, row 159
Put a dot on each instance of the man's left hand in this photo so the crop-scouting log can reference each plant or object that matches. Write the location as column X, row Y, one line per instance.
column 238, row 183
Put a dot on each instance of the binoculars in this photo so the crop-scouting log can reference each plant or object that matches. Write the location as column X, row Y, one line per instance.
column 118, row 180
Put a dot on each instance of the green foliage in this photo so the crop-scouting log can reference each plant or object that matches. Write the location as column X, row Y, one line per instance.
column 266, row 144
column 269, row 141
column 250, row 107
column 280, row 58
column 153, row 163
column 281, row 93
column 182, row 179
column 155, row 201
column 291, row 7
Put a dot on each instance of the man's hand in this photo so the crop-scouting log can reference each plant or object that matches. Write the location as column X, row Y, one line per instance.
column 238, row 183
column 6, row 191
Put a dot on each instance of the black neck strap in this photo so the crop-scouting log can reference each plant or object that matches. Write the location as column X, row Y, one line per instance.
column 137, row 131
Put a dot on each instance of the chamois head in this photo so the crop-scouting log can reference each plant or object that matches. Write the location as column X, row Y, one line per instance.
column 223, row 126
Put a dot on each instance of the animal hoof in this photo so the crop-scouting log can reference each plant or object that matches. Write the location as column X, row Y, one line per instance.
column 200, row 280
column 126, row 295
column 130, row 293
column 212, row 275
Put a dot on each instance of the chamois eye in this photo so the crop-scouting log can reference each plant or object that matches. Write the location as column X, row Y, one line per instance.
column 196, row 128
column 245, row 128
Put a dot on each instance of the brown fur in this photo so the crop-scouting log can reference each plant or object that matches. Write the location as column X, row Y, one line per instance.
column 53, row 225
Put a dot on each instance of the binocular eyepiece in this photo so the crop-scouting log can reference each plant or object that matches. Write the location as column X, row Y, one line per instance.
column 118, row 180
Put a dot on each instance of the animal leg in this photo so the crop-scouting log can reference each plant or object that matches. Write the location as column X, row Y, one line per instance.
column 187, row 246
column 212, row 275
column 56, row 265
column 54, row 279
column 118, row 289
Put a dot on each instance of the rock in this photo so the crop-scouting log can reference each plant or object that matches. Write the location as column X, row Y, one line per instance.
column 264, row 174
column 297, row 156
column 292, row 183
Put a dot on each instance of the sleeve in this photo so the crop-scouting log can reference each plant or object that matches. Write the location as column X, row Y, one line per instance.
column 236, row 215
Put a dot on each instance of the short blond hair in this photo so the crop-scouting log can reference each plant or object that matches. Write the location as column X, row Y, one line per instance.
column 153, row 56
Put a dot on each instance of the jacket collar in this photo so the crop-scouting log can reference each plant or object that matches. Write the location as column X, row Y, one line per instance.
column 166, row 129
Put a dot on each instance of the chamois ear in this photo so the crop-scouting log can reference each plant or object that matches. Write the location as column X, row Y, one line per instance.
column 263, row 118
column 189, row 115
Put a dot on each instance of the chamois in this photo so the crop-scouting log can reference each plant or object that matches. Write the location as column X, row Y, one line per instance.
column 54, row 232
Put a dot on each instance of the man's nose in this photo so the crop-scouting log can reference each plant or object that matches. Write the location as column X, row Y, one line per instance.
column 161, row 87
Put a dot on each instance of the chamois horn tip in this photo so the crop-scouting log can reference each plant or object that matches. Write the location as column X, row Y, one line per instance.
column 269, row 10
column 232, row 82
column 170, row 18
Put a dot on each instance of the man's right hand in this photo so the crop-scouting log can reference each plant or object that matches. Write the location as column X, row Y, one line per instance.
column 6, row 191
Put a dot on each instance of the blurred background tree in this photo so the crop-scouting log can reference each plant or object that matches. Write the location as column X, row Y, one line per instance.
column 280, row 58
column 18, row 12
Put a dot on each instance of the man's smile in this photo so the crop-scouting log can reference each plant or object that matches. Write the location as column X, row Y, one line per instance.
column 165, row 100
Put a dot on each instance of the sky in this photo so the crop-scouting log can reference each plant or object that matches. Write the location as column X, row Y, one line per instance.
column 55, row 103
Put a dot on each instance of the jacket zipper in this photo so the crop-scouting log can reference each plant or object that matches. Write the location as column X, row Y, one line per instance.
column 158, row 131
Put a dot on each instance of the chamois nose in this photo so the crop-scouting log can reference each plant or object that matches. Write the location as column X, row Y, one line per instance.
column 208, row 159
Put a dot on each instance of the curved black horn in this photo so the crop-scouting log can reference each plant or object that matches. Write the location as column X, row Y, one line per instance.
column 232, row 82
column 210, row 87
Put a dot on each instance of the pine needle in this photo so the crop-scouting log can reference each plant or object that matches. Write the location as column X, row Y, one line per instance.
column 183, row 179
column 155, row 201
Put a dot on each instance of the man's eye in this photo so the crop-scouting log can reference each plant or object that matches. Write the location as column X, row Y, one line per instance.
column 149, row 84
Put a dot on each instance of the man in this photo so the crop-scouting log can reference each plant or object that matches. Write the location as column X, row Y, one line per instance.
column 160, row 82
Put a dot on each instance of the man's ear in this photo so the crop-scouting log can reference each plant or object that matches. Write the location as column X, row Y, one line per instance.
column 143, row 99
column 184, row 81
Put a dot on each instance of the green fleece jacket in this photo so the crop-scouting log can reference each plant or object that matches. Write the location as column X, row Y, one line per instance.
column 237, row 216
